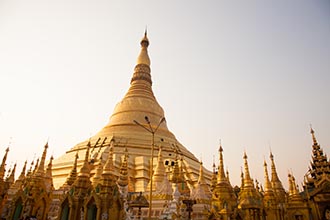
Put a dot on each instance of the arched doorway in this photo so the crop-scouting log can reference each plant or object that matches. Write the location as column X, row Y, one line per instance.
column 91, row 210
column 65, row 210
column 18, row 209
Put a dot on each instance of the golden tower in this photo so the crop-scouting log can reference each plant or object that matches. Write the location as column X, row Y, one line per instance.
column 138, row 103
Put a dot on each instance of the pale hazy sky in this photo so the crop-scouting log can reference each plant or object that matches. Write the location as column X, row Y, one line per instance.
column 254, row 74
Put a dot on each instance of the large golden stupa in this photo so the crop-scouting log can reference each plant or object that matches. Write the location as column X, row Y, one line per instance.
column 138, row 103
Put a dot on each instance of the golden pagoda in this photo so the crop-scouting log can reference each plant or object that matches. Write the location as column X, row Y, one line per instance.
column 138, row 104
column 249, row 199
column 224, row 200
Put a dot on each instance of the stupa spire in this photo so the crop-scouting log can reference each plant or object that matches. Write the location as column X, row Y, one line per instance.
column 202, row 190
column 19, row 181
column 143, row 57
column 36, row 167
column 29, row 172
column 11, row 177
column 85, row 169
column 276, row 182
column 73, row 174
column 159, row 174
column 41, row 168
column 108, row 169
column 3, row 164
column 214, row 175
column 248, row 182
column 249, row 196
column 22, row 175
column 268, row 185
column 201, row 179
column 49, row 176
column 142, row 68
column 313, row 137
column 242, row 178
column 221, row 171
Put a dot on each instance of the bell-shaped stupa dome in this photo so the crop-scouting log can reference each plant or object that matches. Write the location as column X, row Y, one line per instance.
column 134, row 121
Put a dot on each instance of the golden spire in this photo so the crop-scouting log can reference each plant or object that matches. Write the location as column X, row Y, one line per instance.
column 242, row 179
column 108, row 169
column 11, row 177
column 274, row 172
column 202, row 190
column 36, row 167
column 73, row 174
column 247, row 178
column 18, row 183
column 268, row 185
column 49, row 176
column 221, row 171
column 276, row 182
column 159, row 174
column 293, row 191
column 214, row 176
column 142, row 68
column 249, row 195
column 294, row 196
column 99, row 166
column 201, row 179
column 49, row 167
column 22, row 175
column 85, row 169
column 98, row 173
column 313, row 137
column 290, row 185
column 295, row 188
column 143, row 57
column 29, row 172
column 3, row 164
column 41, row 168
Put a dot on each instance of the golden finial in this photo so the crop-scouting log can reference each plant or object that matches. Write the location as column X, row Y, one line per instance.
column 244, row 156
column 143, row 57
column 220, row 147
column 145, row 40
column 313, row 135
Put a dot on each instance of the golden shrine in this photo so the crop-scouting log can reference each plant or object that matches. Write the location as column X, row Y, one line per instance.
column 135, row 168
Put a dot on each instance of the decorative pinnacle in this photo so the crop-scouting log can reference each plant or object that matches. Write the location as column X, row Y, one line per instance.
column 313, row 136
column 145, row 41
column 221, row 171
column 85, row 170
column 3, row 164
column 143, row 57
column 41, row 168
